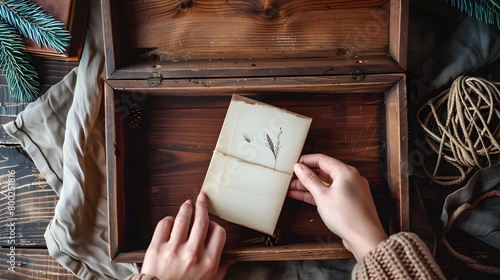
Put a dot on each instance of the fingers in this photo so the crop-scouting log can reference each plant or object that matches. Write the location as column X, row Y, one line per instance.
column 302, row 196
column 295, row 184
column 309, row 180
column 326, row 164
column 162, row 231
column 181, row 223
column 201, row 222
column 314, row 172
column 216, row 238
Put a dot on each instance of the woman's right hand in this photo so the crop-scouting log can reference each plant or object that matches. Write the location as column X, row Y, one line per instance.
column 343, row 199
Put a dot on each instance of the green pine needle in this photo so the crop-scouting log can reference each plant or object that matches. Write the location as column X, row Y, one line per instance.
column 484, row 10
column 33, row 22
column 22, row 77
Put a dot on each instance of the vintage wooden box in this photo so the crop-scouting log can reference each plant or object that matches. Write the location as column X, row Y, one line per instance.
column 73, row 14
column 172, row 67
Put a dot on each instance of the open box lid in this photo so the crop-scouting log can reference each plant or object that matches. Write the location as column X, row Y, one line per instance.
column 236, row 38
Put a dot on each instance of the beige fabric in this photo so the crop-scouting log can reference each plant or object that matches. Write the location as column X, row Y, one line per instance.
column 142, row 277
column 402, row 256
column 63, row 133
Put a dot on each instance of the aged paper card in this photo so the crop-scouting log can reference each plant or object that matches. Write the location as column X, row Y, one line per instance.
column 252, row 164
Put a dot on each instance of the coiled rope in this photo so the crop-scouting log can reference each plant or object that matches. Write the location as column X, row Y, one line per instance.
column 462, row 125
column 470, row 262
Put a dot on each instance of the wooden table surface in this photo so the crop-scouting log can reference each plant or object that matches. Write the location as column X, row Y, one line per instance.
column 34, row 199
column 35, row 202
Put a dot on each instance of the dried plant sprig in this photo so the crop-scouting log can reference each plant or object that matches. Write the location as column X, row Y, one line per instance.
column 33, row 22
column 268, row 240
column 22, row 77
column 275, row 148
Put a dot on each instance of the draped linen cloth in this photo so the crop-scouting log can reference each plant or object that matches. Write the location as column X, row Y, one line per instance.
column 63, row 133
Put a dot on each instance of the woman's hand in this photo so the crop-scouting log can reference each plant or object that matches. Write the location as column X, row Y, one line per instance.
column 343, row 198
column 174, row 253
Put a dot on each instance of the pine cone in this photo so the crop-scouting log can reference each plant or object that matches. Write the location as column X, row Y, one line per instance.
column 135, row 115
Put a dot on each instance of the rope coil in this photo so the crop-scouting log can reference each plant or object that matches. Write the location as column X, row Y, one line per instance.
column 470, row 262
column 462, row 126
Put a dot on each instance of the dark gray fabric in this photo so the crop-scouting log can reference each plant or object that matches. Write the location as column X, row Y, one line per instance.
column 483, row 222
column 317, row 270
column 472, row 45
column 420, row 224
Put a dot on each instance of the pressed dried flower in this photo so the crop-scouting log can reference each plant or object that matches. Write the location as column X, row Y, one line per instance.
column 275, row 149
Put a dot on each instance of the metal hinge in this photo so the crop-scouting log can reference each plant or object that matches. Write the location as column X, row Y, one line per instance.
column 154, row 79
column 357, row 75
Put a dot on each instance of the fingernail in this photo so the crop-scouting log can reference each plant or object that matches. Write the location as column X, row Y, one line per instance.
column 201, row 197
column 188, row 201
column 298, row 167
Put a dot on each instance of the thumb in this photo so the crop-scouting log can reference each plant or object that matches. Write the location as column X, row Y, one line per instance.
column 223, row 267
column 308, row 179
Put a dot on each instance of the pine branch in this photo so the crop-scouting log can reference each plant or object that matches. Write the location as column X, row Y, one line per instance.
column 484, row 10
column 33, row 22
column 22, row 77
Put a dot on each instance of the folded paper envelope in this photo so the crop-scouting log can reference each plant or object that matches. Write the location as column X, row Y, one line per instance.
column 252, row 164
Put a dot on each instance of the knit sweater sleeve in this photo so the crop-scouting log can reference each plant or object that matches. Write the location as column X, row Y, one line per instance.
column 402, row 256
column 141, row 277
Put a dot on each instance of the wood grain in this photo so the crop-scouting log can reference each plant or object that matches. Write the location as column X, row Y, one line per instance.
column 398, row 31
column 164, row 159
column 31, row 264
column 397, row 151
column 202, row 38
column 359, row 83
column 204, row 29
column 321, row 249
column 27, row 201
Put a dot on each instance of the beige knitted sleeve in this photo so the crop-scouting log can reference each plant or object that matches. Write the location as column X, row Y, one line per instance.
column 402, row 256
column 141, row 277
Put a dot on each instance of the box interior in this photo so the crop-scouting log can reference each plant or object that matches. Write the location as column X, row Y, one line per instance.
column 163, row 161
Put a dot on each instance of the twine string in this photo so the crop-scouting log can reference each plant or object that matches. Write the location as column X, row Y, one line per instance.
column 470, row 262
column 462, row 125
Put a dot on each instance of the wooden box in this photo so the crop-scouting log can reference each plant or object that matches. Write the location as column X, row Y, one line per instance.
column 172, row 67
column 73, row 14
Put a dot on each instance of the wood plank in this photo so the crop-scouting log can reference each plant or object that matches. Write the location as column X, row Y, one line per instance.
column 114, row 174
column 257, row 29
column 398, row 32
column 397, row 151
column 321, row 249
column 31, row 264
column 354, row 66
column 353, row 83
column 26, row 200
